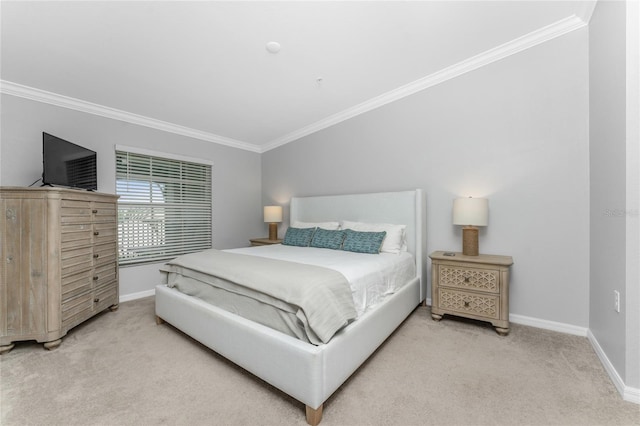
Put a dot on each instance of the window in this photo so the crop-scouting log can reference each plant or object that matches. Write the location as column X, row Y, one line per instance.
column 164, row 208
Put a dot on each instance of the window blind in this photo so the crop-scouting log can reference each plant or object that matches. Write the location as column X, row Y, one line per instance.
column 164, row 209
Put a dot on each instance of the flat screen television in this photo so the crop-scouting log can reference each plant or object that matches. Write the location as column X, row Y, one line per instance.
column 67, row 164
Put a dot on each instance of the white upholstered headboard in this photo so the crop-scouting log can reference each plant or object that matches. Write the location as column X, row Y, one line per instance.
column 400, row 208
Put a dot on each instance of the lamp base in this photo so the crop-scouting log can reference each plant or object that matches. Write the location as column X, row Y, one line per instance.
column 273, row 231
column 470, row 241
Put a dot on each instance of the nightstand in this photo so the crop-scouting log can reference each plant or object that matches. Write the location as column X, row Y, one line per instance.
column 474, row 287
column 264, row 241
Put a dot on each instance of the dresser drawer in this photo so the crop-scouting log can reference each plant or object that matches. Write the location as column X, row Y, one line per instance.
column 76, row 260
column 75, row 211
column 75, row 235
column 105, row 297
column 77, row 308
column 104, row 233
column 104, row 274
column 73, row 285
column 104, row 212
column 483, row 305
column 105, row 254
column 487, row 280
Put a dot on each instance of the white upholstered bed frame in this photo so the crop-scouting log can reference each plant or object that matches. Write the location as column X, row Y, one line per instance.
column 307, row 372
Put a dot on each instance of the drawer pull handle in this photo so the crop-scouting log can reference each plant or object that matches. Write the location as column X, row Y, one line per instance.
column 95, row 278
column 96, row 233
column 96, row 300
column 466, row 304
column 94, row 211
column 466, row 279
column 95, row 256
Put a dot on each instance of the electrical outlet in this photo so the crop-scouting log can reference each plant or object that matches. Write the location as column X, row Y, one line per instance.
column 616, row 300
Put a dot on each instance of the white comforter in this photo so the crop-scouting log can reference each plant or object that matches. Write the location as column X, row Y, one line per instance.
column 372, row 277
column 318, row 297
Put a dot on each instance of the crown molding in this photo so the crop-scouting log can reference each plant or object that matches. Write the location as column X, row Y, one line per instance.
column 527, row 41
column 585, row 10
column 19, row 90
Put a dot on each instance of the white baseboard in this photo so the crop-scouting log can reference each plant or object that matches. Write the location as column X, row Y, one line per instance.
column 134, row 296
column 549, row 325
column 631, row 394
column 628, row 393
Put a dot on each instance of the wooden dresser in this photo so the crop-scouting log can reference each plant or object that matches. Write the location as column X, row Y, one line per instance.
column 471, row 286
column 58, row 261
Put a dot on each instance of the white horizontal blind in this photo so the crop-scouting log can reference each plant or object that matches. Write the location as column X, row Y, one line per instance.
column 164, row 208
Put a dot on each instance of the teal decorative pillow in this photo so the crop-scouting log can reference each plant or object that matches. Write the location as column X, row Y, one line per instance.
column 300, row 237
column 363, row 242
column 330, row 239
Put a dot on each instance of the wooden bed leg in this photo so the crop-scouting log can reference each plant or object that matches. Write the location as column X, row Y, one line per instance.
column 314, row 416
column 159, row 320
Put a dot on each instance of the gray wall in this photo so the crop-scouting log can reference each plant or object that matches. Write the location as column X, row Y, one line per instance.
column 237, row 210
column 608, row 177
column 614, row 213
column 515, row 131
column 632, row 302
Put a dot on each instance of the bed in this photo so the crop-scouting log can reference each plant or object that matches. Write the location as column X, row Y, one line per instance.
column 310, row 372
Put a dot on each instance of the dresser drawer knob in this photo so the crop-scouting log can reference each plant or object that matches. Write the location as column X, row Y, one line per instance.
column 95, row 278
column 96, row 300
column 466, row 279
column 95, row 256
column 94, row 211
column 466, row 304
column 96, row 233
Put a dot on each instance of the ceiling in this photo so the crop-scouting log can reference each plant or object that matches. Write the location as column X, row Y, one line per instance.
column 202, row 69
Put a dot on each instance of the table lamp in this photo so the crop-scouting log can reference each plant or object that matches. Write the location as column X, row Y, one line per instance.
column 471, row 213
column 272, row 216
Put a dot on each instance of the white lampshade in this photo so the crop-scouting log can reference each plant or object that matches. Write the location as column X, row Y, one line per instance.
column 272, row 214
column 471, row 211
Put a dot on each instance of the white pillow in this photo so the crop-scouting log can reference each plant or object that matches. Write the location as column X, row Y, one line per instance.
column 394, row 241
column 331, row 226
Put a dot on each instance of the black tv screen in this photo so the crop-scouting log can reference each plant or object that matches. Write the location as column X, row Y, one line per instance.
column 67, row 164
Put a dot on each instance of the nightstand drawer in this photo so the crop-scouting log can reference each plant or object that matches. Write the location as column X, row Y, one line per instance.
column 484, row 305
column 487, row 280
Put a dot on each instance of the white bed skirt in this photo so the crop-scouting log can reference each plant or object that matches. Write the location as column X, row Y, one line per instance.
column 306, row 372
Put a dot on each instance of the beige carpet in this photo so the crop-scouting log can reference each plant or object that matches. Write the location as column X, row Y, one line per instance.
column 120, row 368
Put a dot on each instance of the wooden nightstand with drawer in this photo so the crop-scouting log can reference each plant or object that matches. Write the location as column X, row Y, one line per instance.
column 474, row 287
column 264, row 241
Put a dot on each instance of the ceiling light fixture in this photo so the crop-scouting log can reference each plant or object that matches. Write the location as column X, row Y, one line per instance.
column 273, row 47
